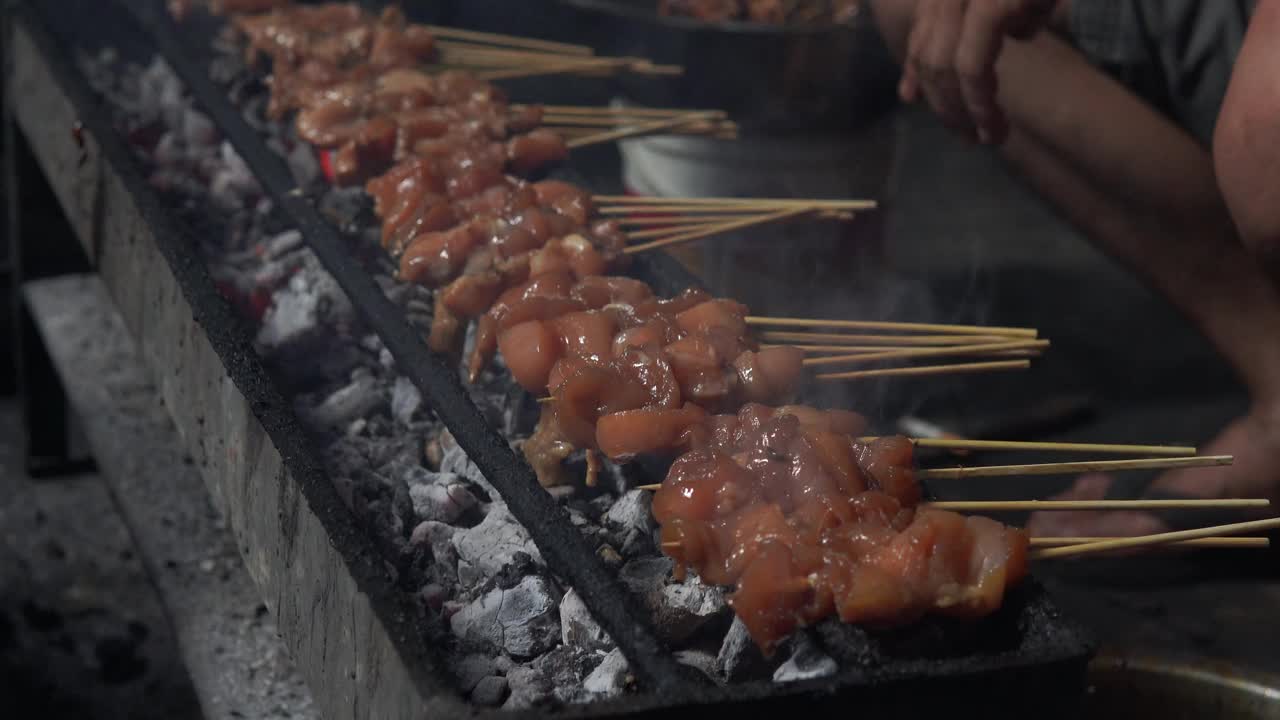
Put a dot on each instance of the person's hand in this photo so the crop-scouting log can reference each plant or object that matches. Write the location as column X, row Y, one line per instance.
column 951, row 55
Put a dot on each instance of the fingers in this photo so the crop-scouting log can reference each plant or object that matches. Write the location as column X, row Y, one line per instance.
column 1093, row 523
column 941, row 84
column 981, row 37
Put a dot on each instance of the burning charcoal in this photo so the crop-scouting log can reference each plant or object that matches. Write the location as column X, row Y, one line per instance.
column 610, row 678
column 438, row 537
column 609, row 556
column 311, row 298
column 528, row 687
column 700, row 660
column 739, row 657
column 343, row 205
column 405, row 400
column 679, row 609
column 807, row 662
column 440, row 501
column 303, row 165
column 578, row 628
column 283, row 243
column 471, row 669
column 455, row 460
column 484, row 549
column 630, row 522
column 490, row 691
column 522, row 620
column 197, row 129
column 434, row 595
column 567, row 667
column 356, row 399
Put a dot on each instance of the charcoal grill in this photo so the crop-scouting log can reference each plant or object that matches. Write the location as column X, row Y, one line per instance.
column 354, row 634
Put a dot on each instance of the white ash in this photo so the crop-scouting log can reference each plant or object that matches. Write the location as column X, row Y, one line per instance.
column 610, row 678
column 450, row 531
column 405, row 400
column 443, row 500
column 486, row 548
column 361, row 397
column 578, row 628
column 521, row 620
column 310, row 302
column 700, row 660
column 630, row 523
column 807, row 661
column 680, row 610
column 438, row 537
column 557, row 676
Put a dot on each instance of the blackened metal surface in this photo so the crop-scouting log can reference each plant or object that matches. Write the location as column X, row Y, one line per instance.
column 548, row 523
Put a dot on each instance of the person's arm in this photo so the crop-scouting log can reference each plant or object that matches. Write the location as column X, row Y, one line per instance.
column 1246, row 140
column 949, row 48
column 1140, row 187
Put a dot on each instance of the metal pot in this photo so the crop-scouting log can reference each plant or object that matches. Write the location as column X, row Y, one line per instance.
column 1142, row 687
column 788, row 80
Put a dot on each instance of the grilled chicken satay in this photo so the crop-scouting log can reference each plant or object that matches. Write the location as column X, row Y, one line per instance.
column 354, row 80
column 808, row 523
column 656, row 366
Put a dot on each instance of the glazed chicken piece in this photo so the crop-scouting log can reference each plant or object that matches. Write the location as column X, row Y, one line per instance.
column 807, row 523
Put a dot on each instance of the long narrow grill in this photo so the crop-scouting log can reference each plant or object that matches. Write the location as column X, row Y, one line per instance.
column 547, row 522
column 1046, row 657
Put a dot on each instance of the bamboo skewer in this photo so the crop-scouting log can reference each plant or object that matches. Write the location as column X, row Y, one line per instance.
column 716, row 229
column 662, row 232
column 1078, row 505
column 924, row 370
column 894, row 340
column 1205, row 542
column 639, row 200
column 886, row 325
column 641, row 129
column 1157, row 539
column 510, row 40
column 610, row 110
column 1059, row 468
column 1046, row 542
column 769, row 206
column 869, row 349
column 1074, row 505
column 980, row 349
column 1021, row 445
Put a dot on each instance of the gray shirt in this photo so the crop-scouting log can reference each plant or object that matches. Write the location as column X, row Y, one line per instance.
column 1177, row 54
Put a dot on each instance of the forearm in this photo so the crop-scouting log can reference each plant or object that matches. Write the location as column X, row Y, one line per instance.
column 1048, row 90
column 1246, row 143
column 1110, row 136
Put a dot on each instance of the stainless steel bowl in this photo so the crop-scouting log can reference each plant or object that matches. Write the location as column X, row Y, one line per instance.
column 771, row 79
column 1170, row 689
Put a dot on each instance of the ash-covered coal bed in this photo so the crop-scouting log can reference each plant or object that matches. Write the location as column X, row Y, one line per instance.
column 515, row 634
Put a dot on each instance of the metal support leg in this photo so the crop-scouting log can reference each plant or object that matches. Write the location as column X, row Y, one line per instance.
column 41, row 245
